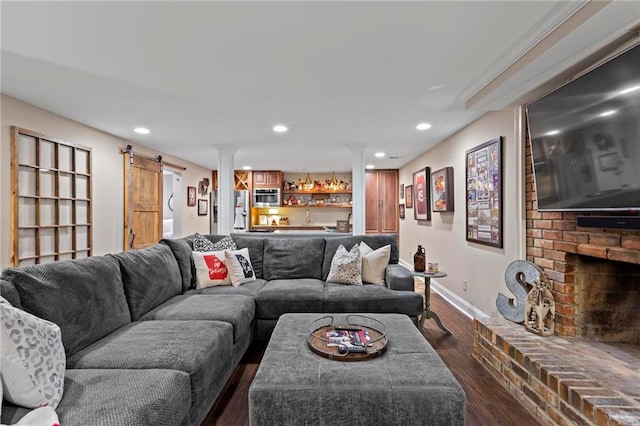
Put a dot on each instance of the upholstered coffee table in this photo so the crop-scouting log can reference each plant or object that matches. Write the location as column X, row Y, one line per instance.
column 407, row 385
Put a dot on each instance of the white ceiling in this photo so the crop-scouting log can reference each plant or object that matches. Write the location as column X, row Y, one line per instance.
column 212, row 75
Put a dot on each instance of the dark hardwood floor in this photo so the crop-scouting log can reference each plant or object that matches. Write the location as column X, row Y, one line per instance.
column 487, row 402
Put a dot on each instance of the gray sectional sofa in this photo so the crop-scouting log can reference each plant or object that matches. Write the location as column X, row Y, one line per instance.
column 144, row 346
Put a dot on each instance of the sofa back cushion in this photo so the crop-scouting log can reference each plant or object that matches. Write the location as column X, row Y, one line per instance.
column 373, row 241
column 182, row 248
column 151, row 276
column 9, row 292
column 290, row 258
column 84, row 297
column 256, row 251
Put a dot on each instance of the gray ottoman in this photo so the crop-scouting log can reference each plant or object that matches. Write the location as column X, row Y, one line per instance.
column 408, row 385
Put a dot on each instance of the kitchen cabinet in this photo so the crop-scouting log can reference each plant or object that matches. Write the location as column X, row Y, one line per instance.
column 267, row 179
column 381, row 201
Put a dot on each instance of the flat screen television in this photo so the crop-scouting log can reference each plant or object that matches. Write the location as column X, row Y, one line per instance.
column 585, row 140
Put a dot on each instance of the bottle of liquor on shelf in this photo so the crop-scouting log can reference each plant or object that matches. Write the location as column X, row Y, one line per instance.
column 419, row 260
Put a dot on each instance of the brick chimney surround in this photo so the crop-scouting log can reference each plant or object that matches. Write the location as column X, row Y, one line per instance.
column 589, row 372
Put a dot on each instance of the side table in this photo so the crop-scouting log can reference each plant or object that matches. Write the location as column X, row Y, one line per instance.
column 428, row 313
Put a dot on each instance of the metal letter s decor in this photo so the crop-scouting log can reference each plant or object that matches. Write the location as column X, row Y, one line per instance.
column 517, row 275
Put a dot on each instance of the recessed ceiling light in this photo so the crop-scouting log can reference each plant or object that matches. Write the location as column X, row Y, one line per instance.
column 280, row 128
column 246, row 167
column 608, row 113
column 423, row 126
column 369, row 166
column 379, row 154
column 142, row 130
column 552, row 132
column 436, row 87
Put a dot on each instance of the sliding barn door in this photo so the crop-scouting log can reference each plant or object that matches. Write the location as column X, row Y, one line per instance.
column 143, row 201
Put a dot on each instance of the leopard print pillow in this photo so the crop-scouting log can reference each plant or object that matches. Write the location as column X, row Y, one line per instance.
column 346, row 266
column 33, row 358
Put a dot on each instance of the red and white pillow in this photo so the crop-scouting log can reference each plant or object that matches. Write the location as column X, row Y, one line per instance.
column 224, row 267
column 211, row 269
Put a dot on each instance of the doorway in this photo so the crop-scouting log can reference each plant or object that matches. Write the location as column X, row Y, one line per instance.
column 171, row 202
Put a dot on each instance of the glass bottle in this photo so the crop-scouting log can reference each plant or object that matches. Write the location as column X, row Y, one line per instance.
column 419, row 260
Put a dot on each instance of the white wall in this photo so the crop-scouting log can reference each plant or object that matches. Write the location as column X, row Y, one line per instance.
column 444, row 237
column 107, row 173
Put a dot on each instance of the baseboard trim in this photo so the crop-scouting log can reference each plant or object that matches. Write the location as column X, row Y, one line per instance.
column 456, row 301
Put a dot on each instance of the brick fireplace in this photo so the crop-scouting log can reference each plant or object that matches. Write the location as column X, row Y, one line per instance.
column 595, row 272
column 588, row 373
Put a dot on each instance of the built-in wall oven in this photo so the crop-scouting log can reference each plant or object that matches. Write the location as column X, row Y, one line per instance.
column 266, row 197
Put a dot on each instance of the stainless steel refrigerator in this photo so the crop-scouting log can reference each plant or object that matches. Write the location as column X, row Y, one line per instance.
column 241, row 211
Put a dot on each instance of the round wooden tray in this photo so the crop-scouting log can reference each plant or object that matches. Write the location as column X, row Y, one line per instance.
column 318, row 342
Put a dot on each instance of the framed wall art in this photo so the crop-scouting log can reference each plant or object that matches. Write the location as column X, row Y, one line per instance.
column 191, row 196
column 484, row 193
column 442, row 190
column 401, row 211
column 202, row 207
column 401, row 191
column 421, row 211
column 408, row 196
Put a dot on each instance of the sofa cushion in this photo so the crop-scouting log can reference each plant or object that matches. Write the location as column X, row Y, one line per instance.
column 32, row 358
column 237, row 310
column 294, row 258
column 84, row 297
column 346, row 266
column 246, row 289
column 9, row 292
column 200, row 348
column 373, row 241
column 256, row 251
column 278, row 297
column 371, row 298
column 119, row 397
column 151, row 276
column 181, row 249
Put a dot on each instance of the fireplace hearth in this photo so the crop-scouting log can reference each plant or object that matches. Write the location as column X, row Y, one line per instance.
column 588, row 372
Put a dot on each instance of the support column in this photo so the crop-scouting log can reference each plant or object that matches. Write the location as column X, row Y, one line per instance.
column 358, row 195
column 225, row 190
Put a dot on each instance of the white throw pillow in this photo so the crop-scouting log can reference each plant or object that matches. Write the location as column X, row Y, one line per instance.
column 374, row 263
column 346, row 266
column 211, row 269
column 239, row 265
column 43, row 416
column 33, row 359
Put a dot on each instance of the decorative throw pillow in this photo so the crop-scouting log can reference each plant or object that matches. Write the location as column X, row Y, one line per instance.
column 33, row 359
column 202, row 244
column 211, row 269
column 225, row 243
column 374, row 263
column 346, row 266
column 43, row 416
column 239, row 265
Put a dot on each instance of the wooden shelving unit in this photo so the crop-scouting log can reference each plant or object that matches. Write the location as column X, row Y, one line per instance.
column 51, row 199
